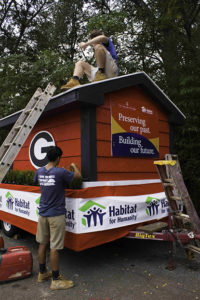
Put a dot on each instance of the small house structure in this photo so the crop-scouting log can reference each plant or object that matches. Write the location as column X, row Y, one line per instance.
column 113, row 130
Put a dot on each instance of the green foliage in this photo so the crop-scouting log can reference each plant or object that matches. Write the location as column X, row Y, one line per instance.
column 27, row 177
column 160, row 37
column 20, row 76
column 165, row 44
column 187, row 137
column 19, row 177
column 111, row 23
column 17, row 19
column 3, row 135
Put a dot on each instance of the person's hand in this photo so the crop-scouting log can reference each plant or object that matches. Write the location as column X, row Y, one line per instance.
column 77, row 174
column 72, row 167
column 82, row 45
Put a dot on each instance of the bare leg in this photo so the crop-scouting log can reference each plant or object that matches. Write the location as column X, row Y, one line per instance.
column 43, row 273
column 42, row 253
column 54, row 260
column 100, row 55
column 82, row 67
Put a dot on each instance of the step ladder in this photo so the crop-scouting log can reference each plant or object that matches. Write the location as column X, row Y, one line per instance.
column 176, row 192
column 22, row 128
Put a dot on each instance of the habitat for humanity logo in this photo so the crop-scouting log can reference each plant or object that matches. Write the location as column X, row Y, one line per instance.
column 19, row 205
column 37, row 201
column 93, row 213
column 152, row 206
column 9, row 200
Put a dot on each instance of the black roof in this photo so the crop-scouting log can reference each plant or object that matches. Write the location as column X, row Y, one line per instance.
column 93, row 94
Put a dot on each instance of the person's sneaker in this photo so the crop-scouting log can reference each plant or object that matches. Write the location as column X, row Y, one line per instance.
column 61, row 284
column 70, row 84
column 44, row 276
column 99, row 76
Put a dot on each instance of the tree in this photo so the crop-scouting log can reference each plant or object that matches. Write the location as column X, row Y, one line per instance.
column 16, row 20
column 42, row 47
column 166, row 45
column 39, row 40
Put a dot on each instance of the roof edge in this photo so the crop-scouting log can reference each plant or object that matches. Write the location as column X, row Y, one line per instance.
column 93, row 94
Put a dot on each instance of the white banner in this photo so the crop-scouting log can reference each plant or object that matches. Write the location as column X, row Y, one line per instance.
column 105, row 213
column 20, row 203
column 90, row 215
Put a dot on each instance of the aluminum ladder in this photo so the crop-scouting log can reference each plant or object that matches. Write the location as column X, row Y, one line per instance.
column 22, row 128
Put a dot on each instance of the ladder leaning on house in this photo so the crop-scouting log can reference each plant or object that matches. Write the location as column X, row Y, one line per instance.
column 181, row 228
column 176, row 192
column 22, row 128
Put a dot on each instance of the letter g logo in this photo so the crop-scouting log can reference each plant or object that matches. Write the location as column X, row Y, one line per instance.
column 39, row 147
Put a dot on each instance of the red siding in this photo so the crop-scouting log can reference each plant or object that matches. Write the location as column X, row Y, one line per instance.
column 65, row 129
column 124, row 168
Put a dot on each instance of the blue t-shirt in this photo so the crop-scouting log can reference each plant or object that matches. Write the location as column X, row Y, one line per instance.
column 52, row 185
column 111, row 48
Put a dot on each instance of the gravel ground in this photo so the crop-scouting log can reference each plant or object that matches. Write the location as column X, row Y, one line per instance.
column 122, row 270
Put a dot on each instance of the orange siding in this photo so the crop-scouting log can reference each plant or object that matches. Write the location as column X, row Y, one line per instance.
column 66, row 123
column 19, row 222
column 125, row 168
column 65, row 129
column 102, row 176
column 125, row 164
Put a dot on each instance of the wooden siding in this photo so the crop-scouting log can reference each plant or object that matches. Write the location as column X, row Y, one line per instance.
column 65, row 129
column 125, row 168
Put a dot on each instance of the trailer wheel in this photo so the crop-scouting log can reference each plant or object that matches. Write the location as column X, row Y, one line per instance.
column 8, row 229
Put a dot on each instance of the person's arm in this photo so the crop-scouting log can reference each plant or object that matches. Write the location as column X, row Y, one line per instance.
column 97, row 40
column 76, row 171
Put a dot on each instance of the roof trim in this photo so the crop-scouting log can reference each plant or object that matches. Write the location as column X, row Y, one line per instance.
column 93, row 94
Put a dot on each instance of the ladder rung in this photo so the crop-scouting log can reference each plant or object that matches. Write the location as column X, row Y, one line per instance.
column 179, row 217
column 3, row 163
column 168, row 180
column 168, row 184
column 176, row 198
column 193, row 248
column 32, row 109
column 18, row 127
column 13, row 144
column 184, row 216
column 28, row 111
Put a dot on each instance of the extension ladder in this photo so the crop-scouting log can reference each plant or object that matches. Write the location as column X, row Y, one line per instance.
column 22, row 128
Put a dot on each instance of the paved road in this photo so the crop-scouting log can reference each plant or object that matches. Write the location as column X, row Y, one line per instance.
column 121, row 270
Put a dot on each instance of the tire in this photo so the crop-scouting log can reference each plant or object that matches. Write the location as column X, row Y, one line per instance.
column 8, row 229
